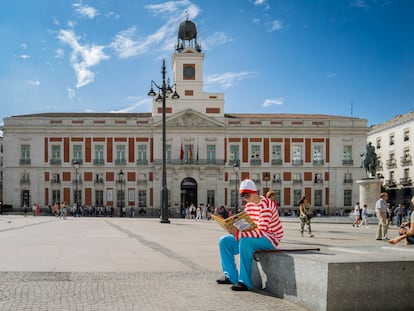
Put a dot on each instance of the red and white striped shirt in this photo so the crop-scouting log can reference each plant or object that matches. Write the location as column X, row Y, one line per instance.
column 266, row 216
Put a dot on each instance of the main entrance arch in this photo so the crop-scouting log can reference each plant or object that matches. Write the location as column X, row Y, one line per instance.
column 188, row 193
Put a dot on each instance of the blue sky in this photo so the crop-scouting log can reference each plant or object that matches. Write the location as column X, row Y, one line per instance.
column 341, row 57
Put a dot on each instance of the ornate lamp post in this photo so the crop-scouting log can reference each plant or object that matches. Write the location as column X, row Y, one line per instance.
column 76, row 166
column 121, row 181
column 164, row 90
column 236, row 167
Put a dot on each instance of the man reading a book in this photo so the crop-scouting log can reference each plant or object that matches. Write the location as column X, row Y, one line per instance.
column 266, row 235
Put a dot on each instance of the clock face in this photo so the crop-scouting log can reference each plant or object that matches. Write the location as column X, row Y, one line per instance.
column 188, row 72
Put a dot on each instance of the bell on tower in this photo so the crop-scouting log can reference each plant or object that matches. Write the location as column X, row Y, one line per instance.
column 187, row 36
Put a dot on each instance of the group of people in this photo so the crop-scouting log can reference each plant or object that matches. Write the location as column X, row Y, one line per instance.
column 268, row 233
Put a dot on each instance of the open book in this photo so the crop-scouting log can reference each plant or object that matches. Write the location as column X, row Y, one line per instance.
column 241, row 221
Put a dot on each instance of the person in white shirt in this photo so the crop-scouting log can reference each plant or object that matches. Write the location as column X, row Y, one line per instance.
column 381, row 212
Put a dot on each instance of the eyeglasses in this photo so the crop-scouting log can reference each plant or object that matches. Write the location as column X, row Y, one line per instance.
column 245, row 195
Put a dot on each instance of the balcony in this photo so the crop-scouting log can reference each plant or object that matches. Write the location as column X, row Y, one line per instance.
column 79, row 161
column 142, row 182
column 257, row 180
column 276, row 181
column 55, row 161
column 255, row 162
column 25, row 180
column 391, row 183
column 25, row 161
column 405, row 181
column 99, row 181
column 318, row 181
column 78, row 181
column 55, row 181
column 120, row 161
column 391, row 163
column 98, row 161
column 277, row 162
column 318, row 162
column 379, row 166
column 347, row 162
column 406, row 160
column 348, row 180
column 191, row 162
column 142, row 162
column 297, row 162
column 297, row 180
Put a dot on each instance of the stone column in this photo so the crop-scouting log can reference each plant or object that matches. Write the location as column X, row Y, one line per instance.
column 369, row 191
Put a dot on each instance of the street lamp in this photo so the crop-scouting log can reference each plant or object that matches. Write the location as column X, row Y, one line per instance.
column 236, row 167
column 164, row 90
column 121, row 181
column 76, row 165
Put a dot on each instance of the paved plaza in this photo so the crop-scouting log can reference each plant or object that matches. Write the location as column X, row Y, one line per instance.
column 140, row 263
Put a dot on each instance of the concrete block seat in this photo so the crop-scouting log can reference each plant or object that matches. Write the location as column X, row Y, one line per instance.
column 341, row 278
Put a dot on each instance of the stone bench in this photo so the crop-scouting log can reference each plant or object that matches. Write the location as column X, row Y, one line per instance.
column 341, row 278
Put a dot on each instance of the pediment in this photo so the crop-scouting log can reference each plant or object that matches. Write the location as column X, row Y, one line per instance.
column 190, row 118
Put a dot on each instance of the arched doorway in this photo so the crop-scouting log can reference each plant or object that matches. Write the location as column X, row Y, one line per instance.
column 188, row 193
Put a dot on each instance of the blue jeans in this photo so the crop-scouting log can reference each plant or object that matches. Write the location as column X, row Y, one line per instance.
column 246, row 247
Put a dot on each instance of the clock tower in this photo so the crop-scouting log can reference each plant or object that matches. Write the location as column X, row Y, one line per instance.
column 187, row 68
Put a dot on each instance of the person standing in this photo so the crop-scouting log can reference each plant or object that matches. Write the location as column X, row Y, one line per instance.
column 357, row 210
column 305, row 215
column 266, row 236
column 399, row 214
column 381, row 212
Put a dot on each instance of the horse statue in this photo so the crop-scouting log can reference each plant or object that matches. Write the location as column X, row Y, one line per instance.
column 369, row 161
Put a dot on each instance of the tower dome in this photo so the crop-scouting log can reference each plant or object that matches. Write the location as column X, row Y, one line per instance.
column 187, row 36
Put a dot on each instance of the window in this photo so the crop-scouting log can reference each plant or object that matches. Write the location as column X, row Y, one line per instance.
column 276, row 178
column 211, row 154
column 297, row 155
column 55, row 179
column 317, row 198
column 392, row 138
column 233, row 197
column 142, row 198
column 188, row 153
column 255, row 155
column 99, row 198
column 25, row 154
column 297, row 194
column 56, row 196
column 348, row 178
column 347, row 197
column 318, row 178
column 55, row 155
column 234, row 153
column 276, row 154
column 120, row 155
column 406, row 135
column 99, row 179
column 347, row 155
column 142, row 154
column 278, row 196
column 168, row 153
column 77, row 153
column 378, row 143
column 297, row 177
column 317, row 154
column 99, row 154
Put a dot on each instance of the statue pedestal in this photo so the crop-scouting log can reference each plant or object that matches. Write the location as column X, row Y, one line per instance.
column 369, row 191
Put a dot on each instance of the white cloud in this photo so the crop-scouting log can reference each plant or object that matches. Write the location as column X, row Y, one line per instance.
column 276, row 25
column 273, row 101
column 34, row 82
column 59, row 53
column 167, row 7
column 71, row 92
column 359, row 4
column 263, row 3
column 216, row 39
column 24, row 56
column 85, row 11
column 227, row 79
column 82, row 57
column 137, row 102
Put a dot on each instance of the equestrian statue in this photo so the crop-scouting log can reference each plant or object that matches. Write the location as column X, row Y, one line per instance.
column 369, row 161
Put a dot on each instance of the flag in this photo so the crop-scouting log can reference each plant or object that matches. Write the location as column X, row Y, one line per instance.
column 182, row 152
column 190, row 153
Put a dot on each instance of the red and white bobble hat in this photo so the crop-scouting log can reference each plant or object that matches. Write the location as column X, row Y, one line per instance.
column 248, row 186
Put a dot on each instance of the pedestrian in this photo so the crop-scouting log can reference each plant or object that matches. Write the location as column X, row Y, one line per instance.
column 305, row 215
column 25, row 211
column 364, row 215
column 266, row 236
column 399, row 214
column 357, row 210
column 381, row 212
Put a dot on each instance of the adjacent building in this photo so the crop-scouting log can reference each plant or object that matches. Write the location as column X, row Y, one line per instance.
column 393, row 141
column 115, row 159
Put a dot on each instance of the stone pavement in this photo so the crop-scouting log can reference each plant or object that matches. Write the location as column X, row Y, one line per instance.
column 138, row 264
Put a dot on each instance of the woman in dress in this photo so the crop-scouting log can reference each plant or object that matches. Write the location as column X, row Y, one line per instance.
column 305, row 216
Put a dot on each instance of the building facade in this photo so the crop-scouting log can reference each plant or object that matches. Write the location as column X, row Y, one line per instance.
column 115, row 159
column 393, row 141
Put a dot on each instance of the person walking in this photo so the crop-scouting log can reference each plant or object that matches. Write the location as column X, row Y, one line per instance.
column 357, row 210
column 381, row 212
column 305, row 215
column 266, row 236
column 364, row 215
column 399, row 214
